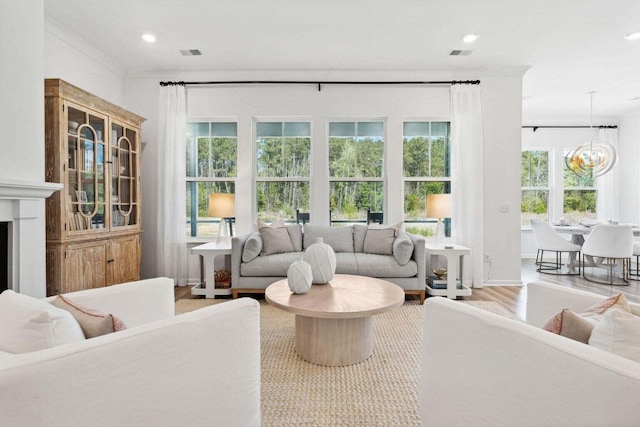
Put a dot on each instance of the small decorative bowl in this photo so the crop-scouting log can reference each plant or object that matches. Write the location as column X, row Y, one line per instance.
column 440, row 272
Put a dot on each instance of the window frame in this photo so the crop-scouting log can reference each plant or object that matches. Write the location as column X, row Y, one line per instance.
column 382, row 179
column 256, row 179
column 193, row 181
column 550, row 180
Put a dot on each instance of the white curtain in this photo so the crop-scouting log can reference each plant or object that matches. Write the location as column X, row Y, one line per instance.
column 171, row 247
column 467, row 152
column 609, row 184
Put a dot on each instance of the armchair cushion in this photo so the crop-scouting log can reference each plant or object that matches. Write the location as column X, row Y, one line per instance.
column 28, row 324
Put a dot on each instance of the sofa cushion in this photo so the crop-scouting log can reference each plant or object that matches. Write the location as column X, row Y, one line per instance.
column 275, row 238
column 275, row 265
column 29, row 324
column 339, row 238
column 618, row 332
column 346, row 263
column 402, row 248
column 93, row 322
column 374, row 265
column 252, row 247
column 359, row 233
column 574, row 326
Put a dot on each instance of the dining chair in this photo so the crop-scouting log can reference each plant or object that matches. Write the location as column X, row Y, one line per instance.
column 612, row 247
column 302, row 217
column 634, row 273
column 549, row 240
column 376, row 217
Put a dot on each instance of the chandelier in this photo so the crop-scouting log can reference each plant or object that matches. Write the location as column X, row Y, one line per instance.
column 593, row 158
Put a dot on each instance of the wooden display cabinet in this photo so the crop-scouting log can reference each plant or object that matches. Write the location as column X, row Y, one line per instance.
column 93, row 225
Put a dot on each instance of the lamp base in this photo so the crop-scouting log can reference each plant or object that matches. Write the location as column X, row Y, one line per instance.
column 439, row 237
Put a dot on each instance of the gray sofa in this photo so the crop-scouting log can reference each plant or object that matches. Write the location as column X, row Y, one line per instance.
column 259, row 259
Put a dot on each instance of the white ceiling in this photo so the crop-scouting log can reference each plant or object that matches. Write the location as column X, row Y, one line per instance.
column 571, row 46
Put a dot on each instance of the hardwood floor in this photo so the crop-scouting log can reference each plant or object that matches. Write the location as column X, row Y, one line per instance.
column 514, row 298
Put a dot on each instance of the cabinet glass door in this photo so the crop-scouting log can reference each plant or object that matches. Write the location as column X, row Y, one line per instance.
column 86, row 170
column 124, row 176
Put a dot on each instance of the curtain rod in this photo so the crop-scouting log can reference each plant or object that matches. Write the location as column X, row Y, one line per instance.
column 320, row 83
column 535, row 128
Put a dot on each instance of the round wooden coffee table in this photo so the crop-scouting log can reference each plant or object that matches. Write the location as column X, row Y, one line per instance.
column 334, row 323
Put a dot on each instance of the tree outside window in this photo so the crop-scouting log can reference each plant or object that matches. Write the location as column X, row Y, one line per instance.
column 580, row 195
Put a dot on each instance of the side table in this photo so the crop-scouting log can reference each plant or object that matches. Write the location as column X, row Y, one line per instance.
column 454, row 259
column 208, row 253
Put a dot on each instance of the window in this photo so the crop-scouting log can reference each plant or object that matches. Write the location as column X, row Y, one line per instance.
column 211, row 168
column 579, row 201
column 355, row 170
column 534, row 181
column 283, row 151
column 426, row 170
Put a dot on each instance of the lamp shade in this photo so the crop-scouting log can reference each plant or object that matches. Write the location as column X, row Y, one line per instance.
column 221, row 205
column 439, row 206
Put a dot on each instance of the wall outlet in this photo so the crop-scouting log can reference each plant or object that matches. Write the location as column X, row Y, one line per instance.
column 487, row 258
column 504, row 208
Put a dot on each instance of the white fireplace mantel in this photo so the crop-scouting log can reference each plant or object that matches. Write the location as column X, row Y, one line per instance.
column 29, row 190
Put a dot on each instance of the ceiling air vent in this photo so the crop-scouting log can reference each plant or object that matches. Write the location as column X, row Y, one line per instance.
column 190, row 52
column 460, row 53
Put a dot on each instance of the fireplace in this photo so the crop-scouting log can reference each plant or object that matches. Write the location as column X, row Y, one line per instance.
column 4, row 256
column 22, row 235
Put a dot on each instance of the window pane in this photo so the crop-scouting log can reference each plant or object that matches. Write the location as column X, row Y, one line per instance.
column 342, row 157
column 416, row 129
column 374, row 129
column 579, row 205
column 534, row 169
column 224, row 129
column 415, row 197
column 349, row 200
column 573, row 180
column 269, row 129
column 297, row 129
column 440, row 129
column 342, row 129
column 283, row 157
column 279, row 200
column 534, row 205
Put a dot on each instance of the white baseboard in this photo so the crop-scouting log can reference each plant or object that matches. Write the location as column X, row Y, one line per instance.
column 503, row 283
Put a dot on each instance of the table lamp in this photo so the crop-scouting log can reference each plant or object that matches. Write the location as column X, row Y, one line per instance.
column 439, row 206
column 222, row 206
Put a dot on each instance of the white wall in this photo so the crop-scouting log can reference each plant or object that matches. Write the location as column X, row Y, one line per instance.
column 21, row 90
column 501, row 103
column 70, row 58
column 629, row 145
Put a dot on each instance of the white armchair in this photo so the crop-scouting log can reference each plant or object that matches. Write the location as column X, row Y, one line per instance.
column 199, row 368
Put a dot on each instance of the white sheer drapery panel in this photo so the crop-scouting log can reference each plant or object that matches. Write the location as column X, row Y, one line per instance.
column 467, row 152
column 608, row 185
column 171, row 249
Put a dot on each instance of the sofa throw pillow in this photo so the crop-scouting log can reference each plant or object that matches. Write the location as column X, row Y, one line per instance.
column 30, row 324
column 379, row 241
column 592, row 315
column 402, row 248
column 618, row 332
column 359, row 233
column 295, row 235
column 93, row 322
column 275, row 238
column 573, row 326
column 252, row 247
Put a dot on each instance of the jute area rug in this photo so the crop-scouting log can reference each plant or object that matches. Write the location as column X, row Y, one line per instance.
column 381, row 391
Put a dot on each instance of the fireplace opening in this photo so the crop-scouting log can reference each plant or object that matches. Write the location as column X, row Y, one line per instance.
column 4, row 256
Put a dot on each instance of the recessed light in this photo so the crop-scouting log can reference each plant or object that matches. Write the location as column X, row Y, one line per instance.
column 148, row 37
column 633, row 36
column 470, row 38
